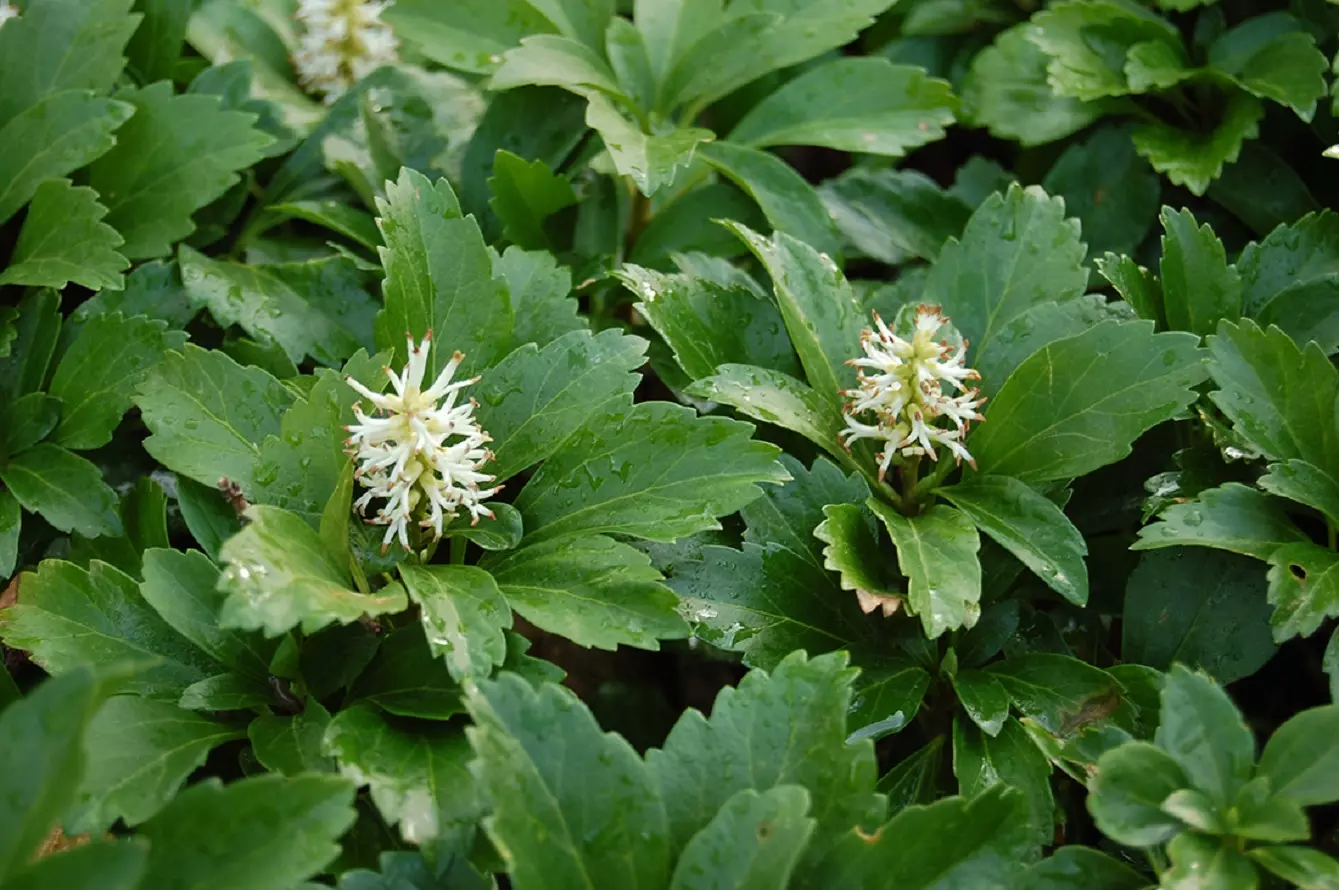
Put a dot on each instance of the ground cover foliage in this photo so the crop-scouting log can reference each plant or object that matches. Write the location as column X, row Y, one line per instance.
column 668, row 444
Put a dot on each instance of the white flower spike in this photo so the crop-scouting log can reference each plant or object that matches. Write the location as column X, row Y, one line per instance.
column 343, row 42
column 7, row 12
column 902, row 385
column 423, row 458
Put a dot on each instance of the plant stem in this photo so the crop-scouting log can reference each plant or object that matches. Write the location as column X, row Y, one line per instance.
column 458, row 546
column 909, row 476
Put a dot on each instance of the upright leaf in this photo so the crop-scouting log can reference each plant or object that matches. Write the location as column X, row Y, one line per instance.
column 936, row 551
column 463, row 614
column 1300, row 760
column 1205, row 733
column 1199, row 287
column 439, row 277
column 1291, row 277
column 1114, row 382
column 791, row 205
column 581, row 813
column 525, row 194
column 651, row 160
column 1109, row 188
column 64, row 239
column 1010, row 758
column 466, row 36
column 754, row 841
column 1194, row 159
column 174, row 156
column 584, row 20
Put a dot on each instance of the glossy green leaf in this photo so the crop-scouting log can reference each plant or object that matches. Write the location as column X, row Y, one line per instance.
column 1087, row 68
column 71, row 618
column 27, row 420
column 140, row 753
column 775, row 398
column 23, row 370
column 852, row 104
column 419, row 778
column 1199, row 287
column 885, row 699
column 63, row 45
column 791, row 205
column 754, row 841
column 651, row 160
column 1300, row 865
column 65, row 489
column 101, row 865
column 439, row 277
column 1230, row 517
column 225, row 837
column 1199, row 861
column 406, row 679
column 1204, row 732
column 525, row 194
column 11, row 518
column 1044, row 426
column 893, row 215
column 1290, row 279
column 1203, row 609
column 583, row 812
column 983, row 760
column 983, row 698
column 1125, row 796
column 292, row 745
column 855, row 551
column 936, row 551
column 1303, row 588
column 64, row 239
column 96, row 378
column 1108, row 188
column 279, row 576
column 1300, row 761
column 591, row 589
column 1194, row 159
column 351, row 222
column 1273, row 56
column 464, row 615
column 466, row 36
column 1056, row 691
column 174, row 156
column 541, row 296
column 1081, row 868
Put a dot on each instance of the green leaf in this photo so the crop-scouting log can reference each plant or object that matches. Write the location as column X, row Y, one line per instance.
column 671, row 27
column 1207, row 610
column 1030, row 526
column 279, row 576
column 687, row 225
column 1055, row 690
column 1017, row 257
column 184, row 589
column 174, row 156
column 27, row 421
column 651, row 160
column 37, row 329
column 1279, row 398
column 97, row 866
column 854, row 550
column 582, row 20
column 53, row 138
column 1088, row 41
column 1111, row 191
column 626, row 51
column 292, row 745
column 583, row 812
column 524, row 195
column 754, row 841
column 552, row 60
column 226, row 692
column 503, row 532
column 709, row 324
column 42, row 761
column 199, row 427
column 155, row 48
column 1204, row 732
column 354, row 224
column 65, row 489
column 1303, row 588
column 419, row 779
column 1230, row 517
column 791, row 205
column 1044, row 426
column 779, row 34
column 652, row 470
column 439, row 277
column 936, row 551
column 152, row 289
column 144, row 521
column 1125, row 795
column 1199, row 861
column 983, row 698
column 983, row 760
column 893, row 215
column 98, row 374
column 406, row 679
column 535, row 399
column 1136, row 284
column 464, row 615
column 11, row 517
column 591, row 589
column 818, row 306
column 1300, row 761
column 775, row 398
column 1194, row 159
column 209, row 517
column 319, row 308
column 541, row 296
column 1299, row 865
column 982, row 843
column 64, row 239
column 1291, row 278
column 225, row 838
column 70, row 618
column 1273, row 56
column 856, row 104
column 783, row 728
column 1006, row 91
column 465, row 36
column 63, row 45
column 1081, row 868
column 140, row 753
column 1265, row 816
column 886, row 698
column 1199, row 287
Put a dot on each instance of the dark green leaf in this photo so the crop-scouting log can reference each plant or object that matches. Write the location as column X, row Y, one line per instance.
column 1300, row 759
column 983, row 698
column 226, row 838
column 1088, row 41
column 174, row 156
column 23, row 370
column 226, row 692
column 65, row 489
column 1230, row 517
column 26, row 421
column 582, row 812
column 754, row 841
column 207, row 514
column 1274, row 57
column 775, row 398
column 292, row 745
column 936, row 551
column 1291, row 278
column 1204, row 609
column 541, row 296
column 140, row 753
column 1198, row 861
column 1199, row 288
column 1299, row 865
column 790, row 204
column 1125, row 796
column 1056, row 691
column 854, row 550
column 894, row 215
column 465, row 36
column 1044, row 426
column 11, row 518
column 464, row 615
column 1303, row 588
column 583, row 20
column 1205, row 733
column 981, row 761
column 354, row 224
column 1108, row 188
column 64, row 239
column 652, row 161
column 101, row 865
column 155, row 47
column 1081, row 868
column 418, row 779
column 688, row 224
column 1194, row 159
column 524, row 195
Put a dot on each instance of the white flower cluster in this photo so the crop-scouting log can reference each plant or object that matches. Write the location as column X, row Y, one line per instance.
column 7, row 12
column 902, row 386
column 404, row 455
column 343, row 42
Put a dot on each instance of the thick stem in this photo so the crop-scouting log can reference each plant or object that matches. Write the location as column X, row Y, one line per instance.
column 458, row 546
